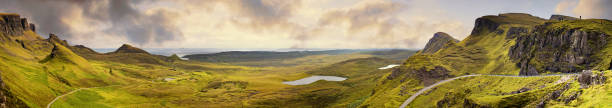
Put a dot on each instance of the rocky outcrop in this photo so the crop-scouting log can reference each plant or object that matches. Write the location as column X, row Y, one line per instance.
column 437, row 42
column 556, row 50
column 514, row 32
column 587, row 78
column 125, row 48
column 7, row 99
column 14, row 25
column 561, row 18
column 54, row 39
column 484, row 24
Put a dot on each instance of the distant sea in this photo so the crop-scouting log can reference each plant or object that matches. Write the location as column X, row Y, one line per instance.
column 188, row 51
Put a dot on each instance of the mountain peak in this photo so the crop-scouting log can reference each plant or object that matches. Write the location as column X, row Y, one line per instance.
column 126, row 48
column 437, row 42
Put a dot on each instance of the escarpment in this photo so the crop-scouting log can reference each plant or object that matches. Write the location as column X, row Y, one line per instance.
column 14, row 25
column 556, row 50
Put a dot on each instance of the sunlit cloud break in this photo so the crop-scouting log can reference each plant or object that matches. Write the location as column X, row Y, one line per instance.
column 274, row 23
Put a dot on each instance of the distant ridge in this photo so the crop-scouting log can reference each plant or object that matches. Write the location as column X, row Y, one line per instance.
column 126, row 48
column 562, row 17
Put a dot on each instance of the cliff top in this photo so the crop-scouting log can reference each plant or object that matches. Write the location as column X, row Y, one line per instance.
column 515, row 18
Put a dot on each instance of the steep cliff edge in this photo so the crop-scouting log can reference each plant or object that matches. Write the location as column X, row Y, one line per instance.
column 14, row 25
column 561, row 18
column 437, row 42
column 34, row 70
column 560, row 47
column 510, row 44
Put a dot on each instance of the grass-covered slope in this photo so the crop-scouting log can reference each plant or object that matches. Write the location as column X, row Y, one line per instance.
column 296, row 58
column 490, row 49
column 362, row 76
column 584, row 90
column 36, row 73
column 487, row 91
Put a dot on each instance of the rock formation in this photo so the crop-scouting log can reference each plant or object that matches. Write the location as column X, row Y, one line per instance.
column 588, row 77
column 561, row 18
column 14, row 25
column 514, row 32
column 437, row 42
column 483, row 24
column 557, row 50
column 54, row 39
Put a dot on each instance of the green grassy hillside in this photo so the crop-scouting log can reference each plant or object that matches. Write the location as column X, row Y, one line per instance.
column 296, row 58
column 486, row 51
column 35, row 71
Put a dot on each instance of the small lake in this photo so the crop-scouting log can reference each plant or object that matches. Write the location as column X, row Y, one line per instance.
column 313, row 79
column 388, row 66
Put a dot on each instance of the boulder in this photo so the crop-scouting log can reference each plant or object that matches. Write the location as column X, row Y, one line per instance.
column 588, row 77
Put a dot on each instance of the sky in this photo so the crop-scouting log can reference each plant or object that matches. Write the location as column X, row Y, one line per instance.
column 350, row 24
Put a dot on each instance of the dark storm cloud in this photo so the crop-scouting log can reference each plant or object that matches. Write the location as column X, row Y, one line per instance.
column 55, row 16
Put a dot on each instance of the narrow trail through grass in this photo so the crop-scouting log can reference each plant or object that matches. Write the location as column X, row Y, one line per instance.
column 73, row 91
column 415, row 95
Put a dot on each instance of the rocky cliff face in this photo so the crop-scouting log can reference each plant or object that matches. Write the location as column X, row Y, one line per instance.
column 14, row 25
column 556, row 50
column 11, row 25
column 484, row 24
column 437, row 42
column 561, row 18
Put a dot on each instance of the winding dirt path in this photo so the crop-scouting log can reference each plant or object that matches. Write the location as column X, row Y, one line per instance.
column 59, row 97
column 564, row 78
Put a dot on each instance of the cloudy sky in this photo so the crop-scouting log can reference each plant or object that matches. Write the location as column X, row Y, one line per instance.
column 276, row 23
